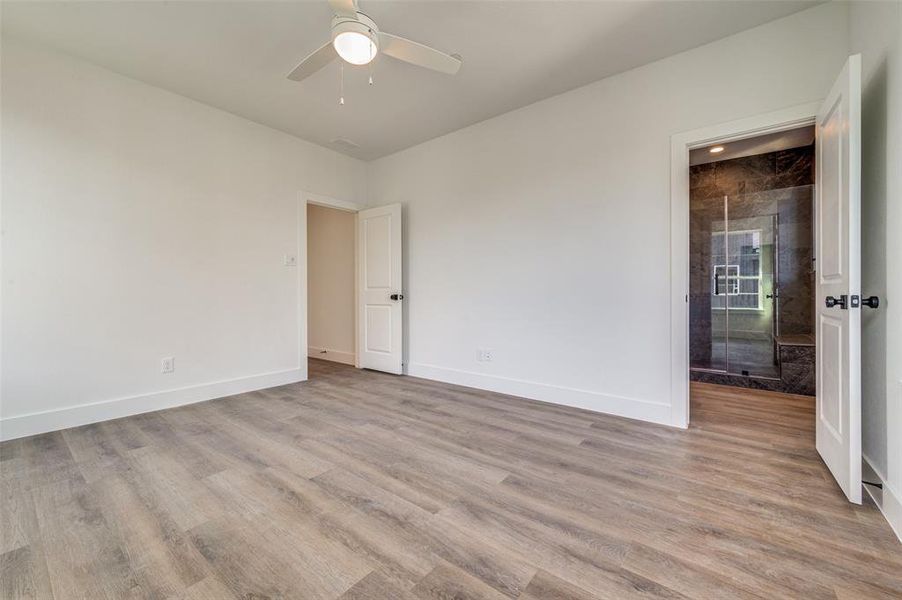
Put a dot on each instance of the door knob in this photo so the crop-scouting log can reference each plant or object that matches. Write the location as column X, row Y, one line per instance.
column 841, row 302
column 397, row 296
column 872, row 301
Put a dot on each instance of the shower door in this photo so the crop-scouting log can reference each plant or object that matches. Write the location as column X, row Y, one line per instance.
column 751, row 291
column 708, row 332
column 733, row 250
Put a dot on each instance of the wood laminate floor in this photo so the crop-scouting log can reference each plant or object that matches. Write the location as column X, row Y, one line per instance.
column 364, row 485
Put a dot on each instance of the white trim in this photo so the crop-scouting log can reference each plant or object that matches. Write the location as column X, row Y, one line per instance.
column 345, row 358
column 887, row 499
column 329, row 201
column 655, row 412
column 115, row 408
column 302, row 285
column 680, row 144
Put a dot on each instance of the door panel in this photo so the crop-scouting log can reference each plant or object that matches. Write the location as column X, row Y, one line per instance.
column 377, row 233
column 830, row 194
column 830, row 409
column 707, row 301
column 378, row 329
column 380, row 307
column 838, row 422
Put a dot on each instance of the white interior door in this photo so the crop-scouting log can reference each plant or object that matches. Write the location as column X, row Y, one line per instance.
column 380, row 304
column 838, row 181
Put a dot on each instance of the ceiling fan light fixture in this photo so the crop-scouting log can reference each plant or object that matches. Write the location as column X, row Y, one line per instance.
column 355, row 40
column 355, row 48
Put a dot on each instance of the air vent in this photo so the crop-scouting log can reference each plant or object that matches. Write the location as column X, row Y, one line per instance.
column 344, row 144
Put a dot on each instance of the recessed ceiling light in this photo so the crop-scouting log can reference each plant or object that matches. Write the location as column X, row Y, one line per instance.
column 716, row 149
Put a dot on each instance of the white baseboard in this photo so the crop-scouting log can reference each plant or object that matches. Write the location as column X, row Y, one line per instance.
column 643, row 410
column 887, row 499
column 73, row 416
column 345, row 358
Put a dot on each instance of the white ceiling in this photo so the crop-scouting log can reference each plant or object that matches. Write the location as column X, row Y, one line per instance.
column 235, row 55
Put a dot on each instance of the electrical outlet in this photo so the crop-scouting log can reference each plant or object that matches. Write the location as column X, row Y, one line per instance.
column 290, row 260
column 485, row 355
column 167, row 365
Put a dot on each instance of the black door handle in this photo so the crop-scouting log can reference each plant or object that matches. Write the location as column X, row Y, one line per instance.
column 841, row 302
column 397, row 296
column 872, row 301
column 716, row 285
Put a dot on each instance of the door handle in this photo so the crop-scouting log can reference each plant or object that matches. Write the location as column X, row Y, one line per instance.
column 841, row 302
column 397, row 296
column 716, row 285
column 872, row 301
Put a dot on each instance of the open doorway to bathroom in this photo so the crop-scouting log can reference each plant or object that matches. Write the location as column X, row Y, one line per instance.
column 752, row 263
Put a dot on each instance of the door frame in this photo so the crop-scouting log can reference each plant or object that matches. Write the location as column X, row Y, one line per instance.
column 303, row 299
column 680, row 144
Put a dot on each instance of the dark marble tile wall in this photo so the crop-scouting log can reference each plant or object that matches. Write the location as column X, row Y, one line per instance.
column 797, row 374
column 762, row 172
column 797, row 369
column 777, row 183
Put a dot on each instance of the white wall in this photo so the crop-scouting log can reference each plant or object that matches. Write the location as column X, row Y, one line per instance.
column 543, row 234
column 138, row 224
column 875, row 32
column 330, row 283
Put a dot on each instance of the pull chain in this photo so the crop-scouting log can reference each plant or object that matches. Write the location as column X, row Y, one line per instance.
column 341, row 84
column 371, row 63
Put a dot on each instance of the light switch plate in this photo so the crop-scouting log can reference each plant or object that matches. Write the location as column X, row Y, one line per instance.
column 290, row 260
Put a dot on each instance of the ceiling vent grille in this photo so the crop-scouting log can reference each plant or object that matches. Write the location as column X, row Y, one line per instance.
column 344, row 144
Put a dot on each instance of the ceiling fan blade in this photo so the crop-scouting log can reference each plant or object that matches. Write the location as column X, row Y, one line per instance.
column 313, row 63
column 418, row 54
column 344, row 8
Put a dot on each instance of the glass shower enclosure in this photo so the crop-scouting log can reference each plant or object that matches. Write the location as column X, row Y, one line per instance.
column 734, row 249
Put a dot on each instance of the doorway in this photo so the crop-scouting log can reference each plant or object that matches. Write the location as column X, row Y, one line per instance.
column 352, row 297
column 751, row 258
column 837, row 238
column 331, row 280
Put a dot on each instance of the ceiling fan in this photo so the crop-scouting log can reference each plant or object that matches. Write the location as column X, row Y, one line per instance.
column 357, row 40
